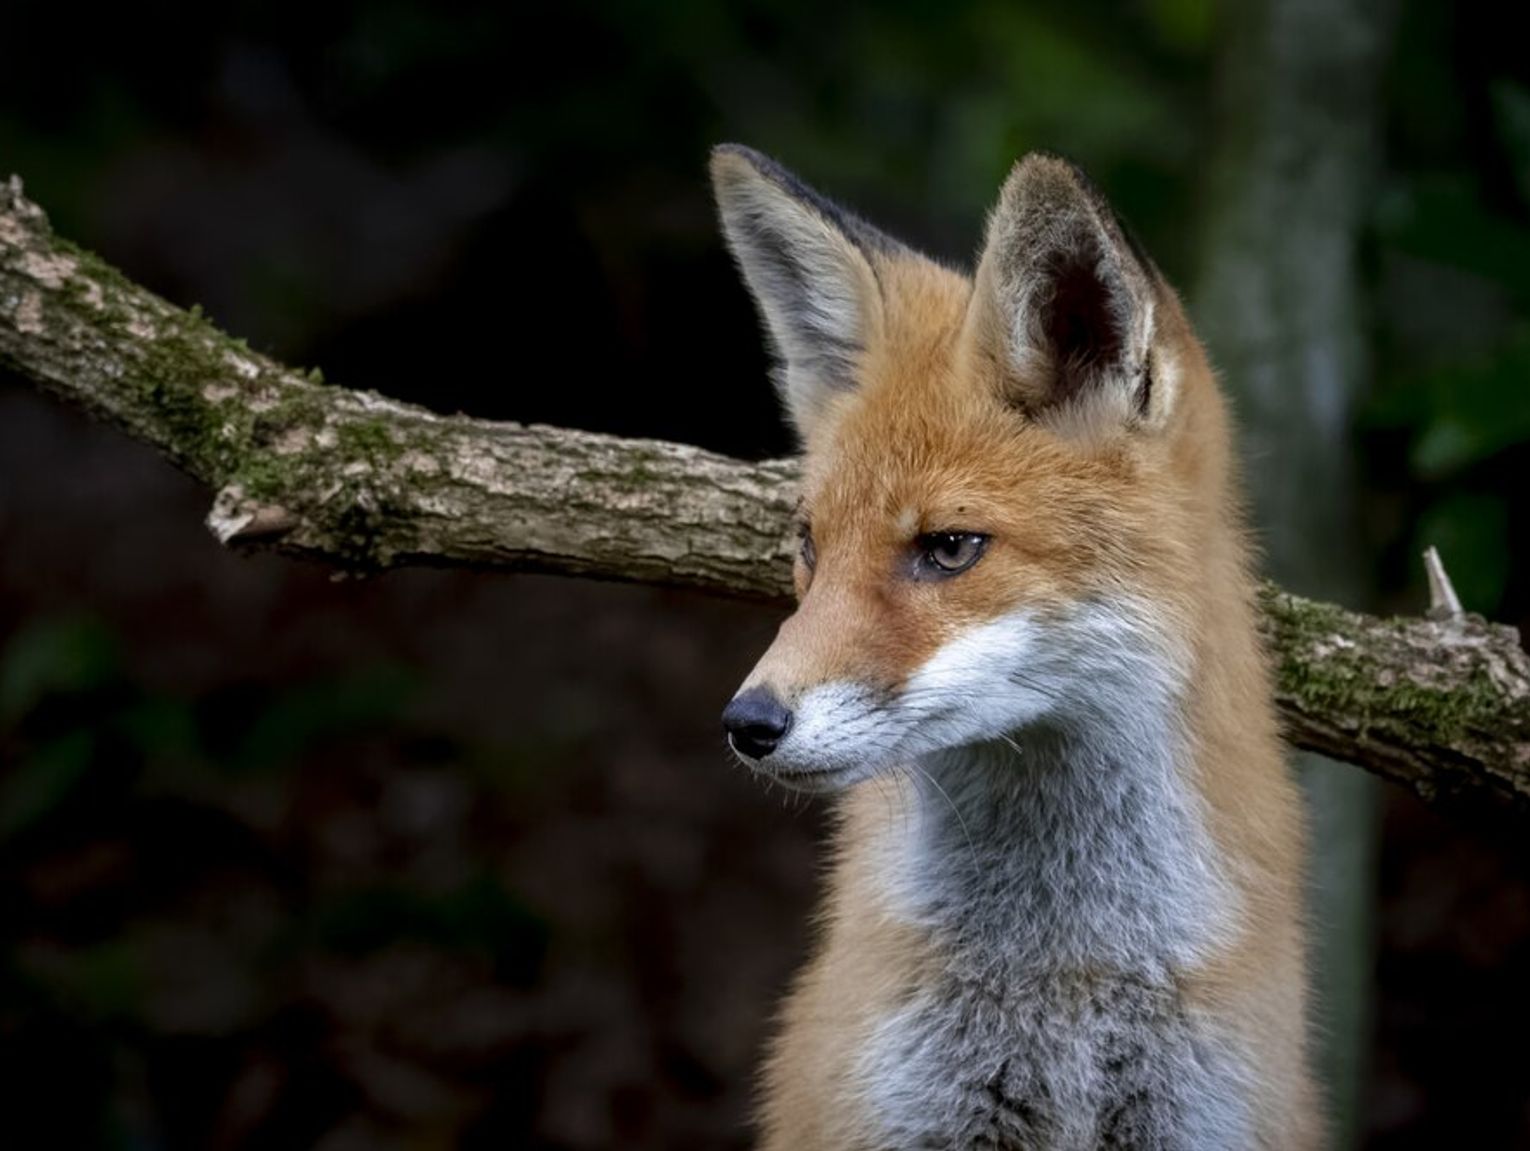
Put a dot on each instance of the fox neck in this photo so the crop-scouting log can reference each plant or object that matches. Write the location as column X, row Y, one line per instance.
column 1078, row 845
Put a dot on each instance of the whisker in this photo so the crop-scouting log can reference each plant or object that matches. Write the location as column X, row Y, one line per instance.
column 1025, row 681
column 960, row 822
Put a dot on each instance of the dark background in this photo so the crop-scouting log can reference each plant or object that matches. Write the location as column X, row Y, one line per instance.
column 443, row 859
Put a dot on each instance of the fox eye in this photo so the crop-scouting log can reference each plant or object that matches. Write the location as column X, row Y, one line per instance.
column 808, row 551
column 948, row 553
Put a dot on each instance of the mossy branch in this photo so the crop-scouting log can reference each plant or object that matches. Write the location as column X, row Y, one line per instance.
column 366, row 483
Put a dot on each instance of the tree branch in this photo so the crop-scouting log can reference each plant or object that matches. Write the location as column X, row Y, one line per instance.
column 366, row 483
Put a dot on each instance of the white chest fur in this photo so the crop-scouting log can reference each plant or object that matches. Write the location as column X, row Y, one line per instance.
column 1063, row 884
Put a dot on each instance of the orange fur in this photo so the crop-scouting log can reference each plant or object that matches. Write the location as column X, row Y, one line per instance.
column 930, row 439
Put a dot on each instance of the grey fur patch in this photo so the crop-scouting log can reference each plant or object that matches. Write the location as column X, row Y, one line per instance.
column 1064, row 889
column 1064, row 879
column 810, row 265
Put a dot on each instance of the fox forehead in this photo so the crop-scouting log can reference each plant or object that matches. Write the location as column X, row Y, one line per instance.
column 924, row 442
column 898, row 438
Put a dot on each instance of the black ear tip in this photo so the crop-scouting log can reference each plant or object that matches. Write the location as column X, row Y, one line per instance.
column 729, row 157
column 743, row 153
column 738, row 165
column 729, row 148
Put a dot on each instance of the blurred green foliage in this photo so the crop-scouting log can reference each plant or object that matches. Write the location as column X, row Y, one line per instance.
column 1448, row 420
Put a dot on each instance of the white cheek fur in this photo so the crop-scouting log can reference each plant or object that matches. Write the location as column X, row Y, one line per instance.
column 841, row 728
column 986, row 684
column 963, row 693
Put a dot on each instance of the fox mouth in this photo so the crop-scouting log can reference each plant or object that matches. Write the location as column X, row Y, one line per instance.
column 807, row 779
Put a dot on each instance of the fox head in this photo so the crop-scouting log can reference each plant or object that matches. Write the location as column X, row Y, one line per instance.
column 1010, row 483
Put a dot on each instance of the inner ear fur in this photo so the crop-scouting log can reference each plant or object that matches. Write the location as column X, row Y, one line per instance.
column 1064, row 303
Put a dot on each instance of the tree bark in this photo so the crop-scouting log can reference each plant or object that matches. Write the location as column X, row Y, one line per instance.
column 1279, row 300
column 365, row 483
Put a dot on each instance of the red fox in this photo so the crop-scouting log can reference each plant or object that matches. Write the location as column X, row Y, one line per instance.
column 1064, row 909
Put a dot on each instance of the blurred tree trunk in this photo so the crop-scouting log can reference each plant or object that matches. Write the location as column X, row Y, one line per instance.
column 1279, row 300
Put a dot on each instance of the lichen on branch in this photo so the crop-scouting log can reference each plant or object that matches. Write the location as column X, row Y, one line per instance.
column 362, row 481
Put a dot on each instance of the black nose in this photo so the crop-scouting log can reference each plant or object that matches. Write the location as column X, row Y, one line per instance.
column 755, row 722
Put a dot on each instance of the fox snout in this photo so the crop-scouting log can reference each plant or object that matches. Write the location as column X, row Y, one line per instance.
column 756, row 721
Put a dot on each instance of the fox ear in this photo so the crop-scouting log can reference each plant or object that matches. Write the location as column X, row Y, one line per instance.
column 807, row 263
column 1063, row 305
